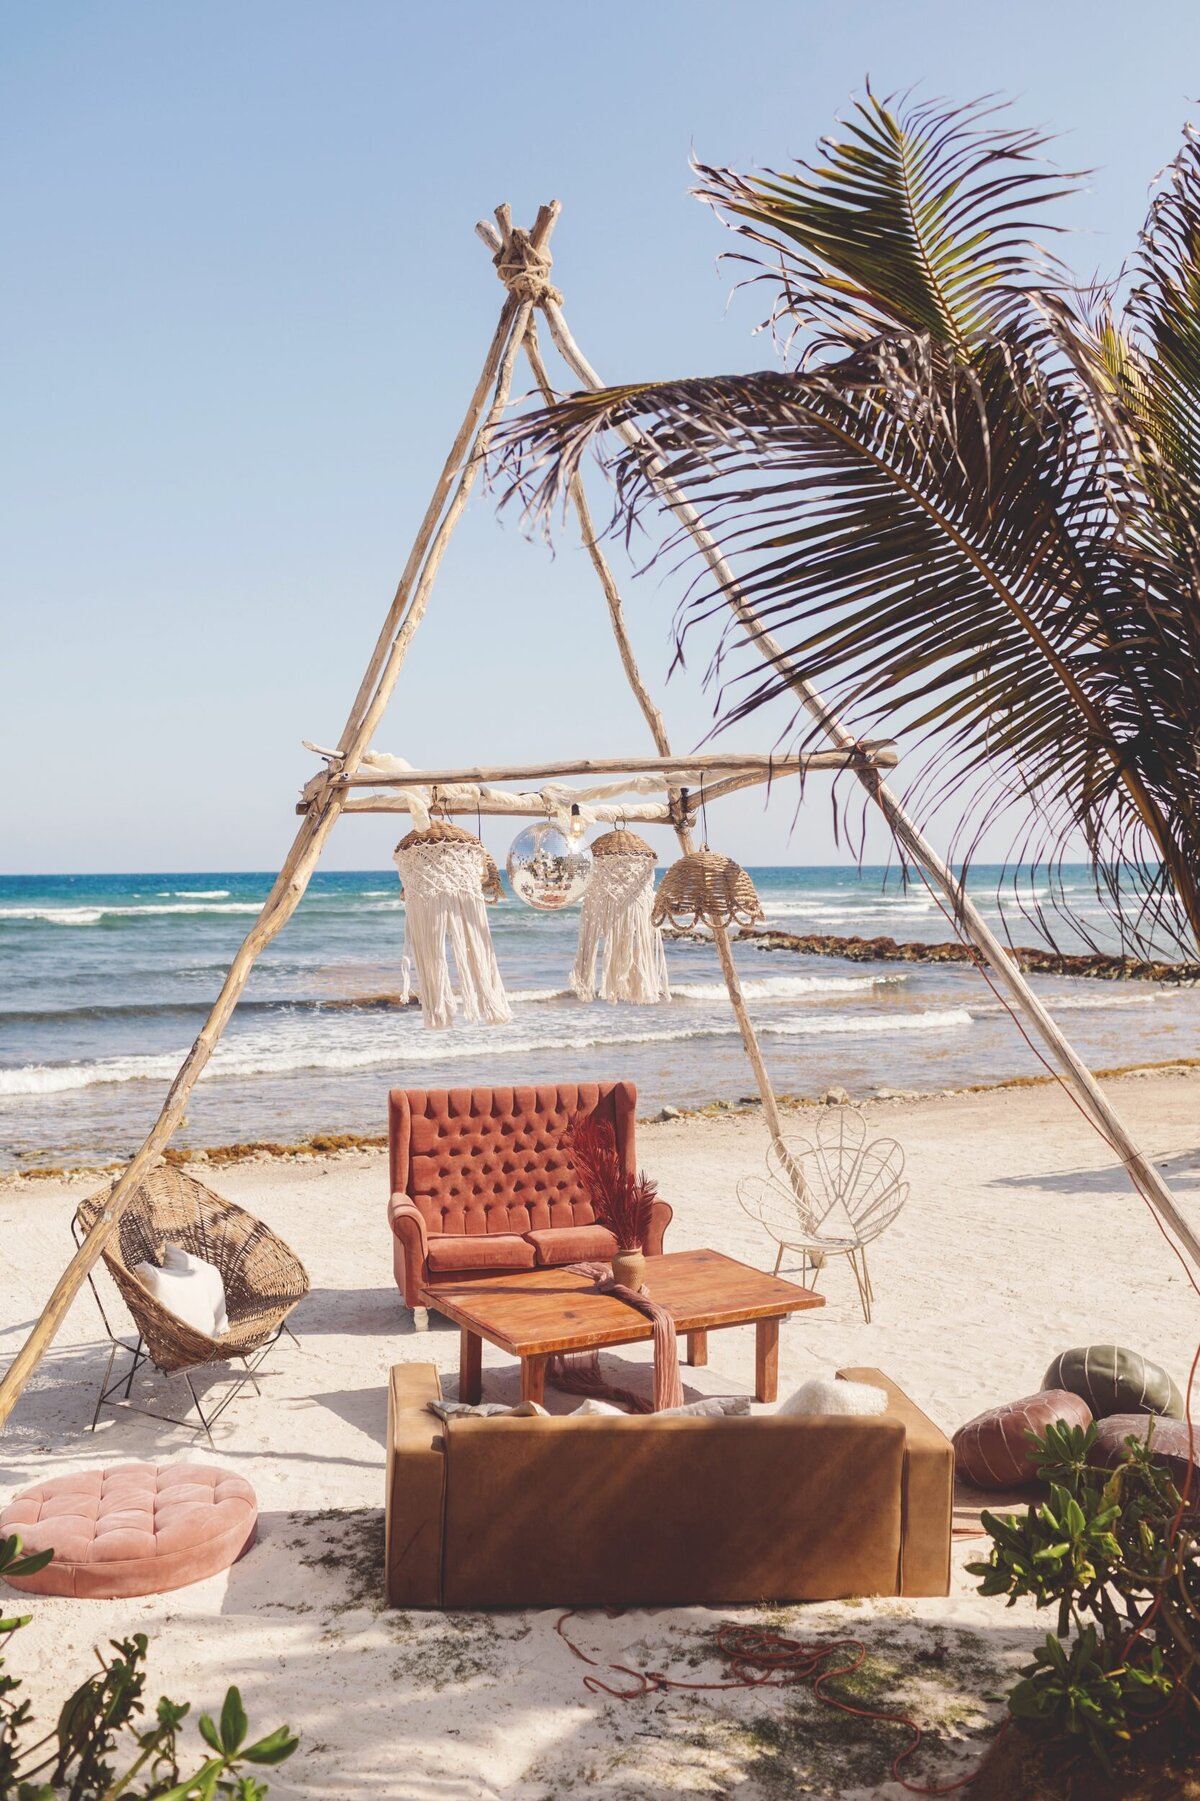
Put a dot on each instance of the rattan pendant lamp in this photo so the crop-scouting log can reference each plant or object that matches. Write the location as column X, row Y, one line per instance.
column 705, row 888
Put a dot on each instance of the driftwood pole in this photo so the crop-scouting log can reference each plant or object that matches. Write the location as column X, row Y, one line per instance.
column 658, row 732
column 326, row 798
column 1073, row 1072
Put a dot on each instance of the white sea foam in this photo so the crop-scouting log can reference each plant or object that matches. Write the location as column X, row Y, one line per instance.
column 90, row 916
column 278, row 1054
column 1082, row 1003
column 56, row 916
column 820, row 1025
column 200, row 893
column 782, row 988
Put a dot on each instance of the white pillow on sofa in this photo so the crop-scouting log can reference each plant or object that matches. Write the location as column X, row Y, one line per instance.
column 189, row 1287
column 708, row 1407
column 821, row 1397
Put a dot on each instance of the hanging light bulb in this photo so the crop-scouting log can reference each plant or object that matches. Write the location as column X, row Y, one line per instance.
column 577, row 826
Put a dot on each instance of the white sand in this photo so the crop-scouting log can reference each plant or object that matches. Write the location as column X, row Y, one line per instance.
column 1020, row 1238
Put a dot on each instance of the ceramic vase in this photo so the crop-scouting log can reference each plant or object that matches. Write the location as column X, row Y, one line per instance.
column 629, row 1268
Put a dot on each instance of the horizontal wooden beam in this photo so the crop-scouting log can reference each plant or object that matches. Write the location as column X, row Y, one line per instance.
column 607, row 812
column 526, row 806
column 879, row 754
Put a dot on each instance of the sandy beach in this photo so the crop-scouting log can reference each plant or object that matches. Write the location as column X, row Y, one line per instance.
column 1021, row 1237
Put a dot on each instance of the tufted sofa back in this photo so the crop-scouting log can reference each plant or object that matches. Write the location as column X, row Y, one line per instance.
column 482, row 1160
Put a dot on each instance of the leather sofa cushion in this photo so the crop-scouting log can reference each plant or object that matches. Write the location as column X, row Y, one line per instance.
column 992, row 1451
column 572, row 1244
column 495, row 1250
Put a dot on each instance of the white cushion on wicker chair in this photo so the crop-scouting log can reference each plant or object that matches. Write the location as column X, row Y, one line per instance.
column 189, row 1287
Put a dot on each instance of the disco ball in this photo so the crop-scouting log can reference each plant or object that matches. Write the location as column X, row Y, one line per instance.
column 547, row 869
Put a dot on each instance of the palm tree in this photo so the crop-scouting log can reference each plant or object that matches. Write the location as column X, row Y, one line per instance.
column 969, row 501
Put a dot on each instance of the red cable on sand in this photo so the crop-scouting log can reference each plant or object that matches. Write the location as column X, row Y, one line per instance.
column 762, row 1658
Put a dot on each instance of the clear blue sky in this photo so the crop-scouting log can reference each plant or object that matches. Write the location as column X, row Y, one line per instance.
column 244, row 306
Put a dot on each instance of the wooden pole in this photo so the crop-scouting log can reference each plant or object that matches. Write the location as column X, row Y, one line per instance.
column 880, row 754
column 374, row 692
column 658, row 732
column 531, row 806
column 1073, row 1072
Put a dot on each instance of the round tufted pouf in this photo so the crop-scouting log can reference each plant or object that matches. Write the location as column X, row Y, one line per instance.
column 1168, row 1440
column 992, row 1451
column 135, row 1529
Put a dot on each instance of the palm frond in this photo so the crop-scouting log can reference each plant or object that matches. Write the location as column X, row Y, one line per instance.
column 965, row 517
column 918, row 217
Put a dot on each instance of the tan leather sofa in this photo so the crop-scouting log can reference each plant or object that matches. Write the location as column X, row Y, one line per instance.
column 640, row 1511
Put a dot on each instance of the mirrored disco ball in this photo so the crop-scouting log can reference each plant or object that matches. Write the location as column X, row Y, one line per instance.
column 547, row 870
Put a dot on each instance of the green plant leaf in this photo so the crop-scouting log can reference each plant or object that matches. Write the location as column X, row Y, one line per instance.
column 234, row 1723
column 273, row 1749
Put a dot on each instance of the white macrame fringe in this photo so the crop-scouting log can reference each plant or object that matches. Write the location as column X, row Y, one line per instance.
column 443, row 899
column 616, row 908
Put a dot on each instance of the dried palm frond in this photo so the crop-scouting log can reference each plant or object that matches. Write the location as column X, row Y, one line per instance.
column 620, row 1200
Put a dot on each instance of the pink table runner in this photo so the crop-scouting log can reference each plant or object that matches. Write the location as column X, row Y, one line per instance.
column 578, row 1372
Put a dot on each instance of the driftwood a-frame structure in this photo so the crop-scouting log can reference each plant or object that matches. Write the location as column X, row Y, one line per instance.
column 522, row 261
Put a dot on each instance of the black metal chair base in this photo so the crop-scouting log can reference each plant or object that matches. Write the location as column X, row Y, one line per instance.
column 138, row 1356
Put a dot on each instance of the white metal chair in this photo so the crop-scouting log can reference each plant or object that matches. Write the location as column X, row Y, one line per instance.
column 829, row 1196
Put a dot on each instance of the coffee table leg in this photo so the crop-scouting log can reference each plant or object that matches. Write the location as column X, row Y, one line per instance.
column 766, row 1360
column 697, row 1349
column 533, row 1379
column 470, row 1367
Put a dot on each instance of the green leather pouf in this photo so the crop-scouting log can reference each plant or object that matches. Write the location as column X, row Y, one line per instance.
column 1113, row 1380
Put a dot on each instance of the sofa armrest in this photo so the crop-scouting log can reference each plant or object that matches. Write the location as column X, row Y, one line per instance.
column 410, row 1247
column 928, row 1493
column 407, row 1222
column 416, row 1488
column 661, row 1214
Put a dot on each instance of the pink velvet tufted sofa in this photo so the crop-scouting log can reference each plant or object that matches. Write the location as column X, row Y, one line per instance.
column 482, row 1180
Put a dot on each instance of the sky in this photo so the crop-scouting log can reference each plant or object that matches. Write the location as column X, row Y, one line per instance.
column 243, row 310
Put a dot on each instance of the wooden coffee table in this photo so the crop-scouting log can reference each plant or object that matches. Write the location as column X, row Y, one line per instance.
column 538, row 1312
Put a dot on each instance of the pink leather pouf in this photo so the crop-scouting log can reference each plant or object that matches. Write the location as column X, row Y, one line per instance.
column 135, row 1529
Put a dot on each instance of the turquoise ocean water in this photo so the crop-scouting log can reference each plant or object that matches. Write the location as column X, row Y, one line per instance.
column 105, row 980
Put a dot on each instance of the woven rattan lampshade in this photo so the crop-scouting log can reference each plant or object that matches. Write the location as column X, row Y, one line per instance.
column 441, row 831
column 622, row 843
column 705, row 888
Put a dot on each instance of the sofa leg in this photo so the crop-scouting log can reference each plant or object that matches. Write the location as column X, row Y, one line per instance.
column 420, row 1319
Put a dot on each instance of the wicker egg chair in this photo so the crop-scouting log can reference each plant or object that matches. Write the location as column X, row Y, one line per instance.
column 263, row 1281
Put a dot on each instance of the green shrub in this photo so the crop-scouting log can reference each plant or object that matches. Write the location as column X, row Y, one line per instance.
column 1116, row 1553
column 99, row 1750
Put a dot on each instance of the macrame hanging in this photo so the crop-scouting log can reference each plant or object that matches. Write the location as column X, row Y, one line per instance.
column 447, row 877
column 705, row 888
column 617, row 908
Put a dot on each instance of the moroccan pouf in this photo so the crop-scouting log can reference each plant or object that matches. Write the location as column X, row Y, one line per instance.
column 1113, row 1380
column 1168, row 1446
column 992, row 1451
column 135, row 1529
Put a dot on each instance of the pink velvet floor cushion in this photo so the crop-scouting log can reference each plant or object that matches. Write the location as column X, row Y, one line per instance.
column 135, row 1529
column 992, row 1451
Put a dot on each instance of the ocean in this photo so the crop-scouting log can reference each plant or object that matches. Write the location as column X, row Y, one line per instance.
column 105, row 980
